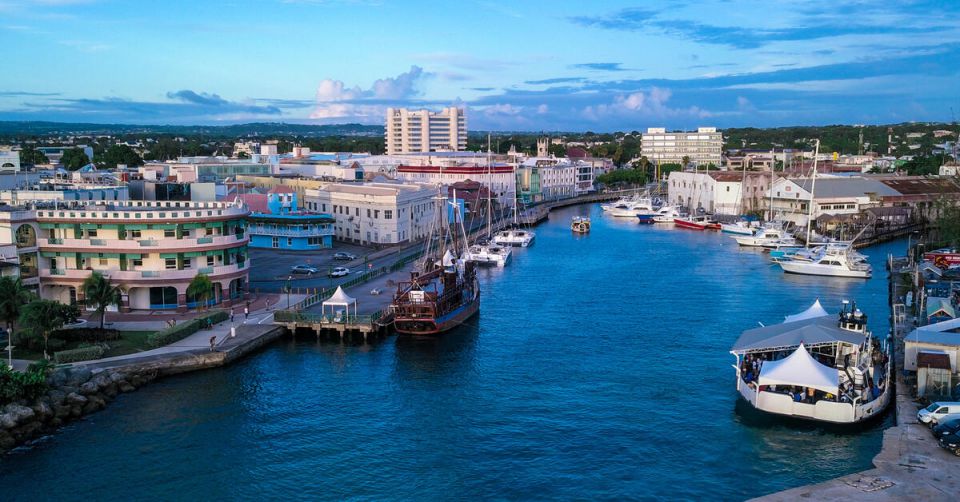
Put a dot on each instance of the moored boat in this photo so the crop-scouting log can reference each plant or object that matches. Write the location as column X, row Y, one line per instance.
column 514, row 237
column 667, row 214
column 815, row 366
column 831, row 261
column 696, row 223
column 740, row 227
column 580, row 225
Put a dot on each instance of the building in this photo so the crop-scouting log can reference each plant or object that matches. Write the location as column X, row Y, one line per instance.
column 499, row 178
column 172, row 190
column 720, row 192
column 57, row 192
column 547, row 178
column 152, row 250
column 833, row 196
column 18, row 244
column 276, row 222
column 703, row 147
column 410, row 131
column 376, row 213
column 932, row 352
column 55, row 153
column 9, row 161
column 245, row 149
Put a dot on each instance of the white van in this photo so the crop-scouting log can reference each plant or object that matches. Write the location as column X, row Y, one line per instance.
column 938, row 412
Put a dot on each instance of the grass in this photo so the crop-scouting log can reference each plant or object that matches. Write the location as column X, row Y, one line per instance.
column 129, row 343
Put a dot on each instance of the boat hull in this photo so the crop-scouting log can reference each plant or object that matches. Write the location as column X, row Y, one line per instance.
column 736, row 230
column 692, row 225
column 792, row 267
column 647, row 219
column 437, row 326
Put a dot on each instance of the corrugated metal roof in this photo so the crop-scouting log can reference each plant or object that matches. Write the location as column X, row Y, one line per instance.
column 829, row 188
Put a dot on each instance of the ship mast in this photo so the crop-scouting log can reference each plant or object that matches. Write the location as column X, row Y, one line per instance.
column 813, row 184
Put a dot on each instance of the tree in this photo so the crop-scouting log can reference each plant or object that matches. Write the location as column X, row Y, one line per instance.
column 13, row 296
column 200, row 289
column 74, row 159
column 685, row 161
column 557, row 150
column 31, row 157
column 100, row 294
column 948, row 222
column 119, row 154
column 43, row 317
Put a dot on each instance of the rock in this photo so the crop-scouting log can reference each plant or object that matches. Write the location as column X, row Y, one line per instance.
column 58, row 378
column 42, row 409
column 75, row 399
column 96, row 403
column 110, row 390
column 89, row 388
column 103, row 381
column 19, row 413
column 61, row 411
column 117, row 377
column 78, row 376
column 56, row 396
column 69, row 389
column 126, row 387
column 6, row 441
column 8, row 421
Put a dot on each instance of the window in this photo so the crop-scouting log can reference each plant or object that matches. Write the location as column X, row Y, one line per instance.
column 103, row 262
column 210, row 260
column 376, row 213
column 388, row 214
column 170, row 263
column 134, row 234
column 138, row 262
column 276, row 242
column 209, row 231
column 92, row 232
column 289, row 241
column 169, row 232
column 368, row 212
column 187, row 262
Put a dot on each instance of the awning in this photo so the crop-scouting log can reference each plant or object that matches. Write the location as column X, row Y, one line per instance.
column 134, row 226
column 48, row 225
column 801, row 369
column 815, row 310
column 815, row 331
column 168, row 255
column 89, row 226
column 193, row 254
column 100, row 255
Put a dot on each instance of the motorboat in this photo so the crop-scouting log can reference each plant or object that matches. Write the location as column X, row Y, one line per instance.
column 740, row 227
column 667, row 214
column 768, row 236
column 489, row 254
column 832, row 261
column 697, row 223
column 632, row 209
column 514, row 237
column 580, row 225
column 815, row 366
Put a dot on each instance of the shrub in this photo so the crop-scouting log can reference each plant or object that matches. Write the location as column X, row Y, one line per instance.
column 80, row 354
column 29, row 385
column 56, row 344
column 86, row 334
column 185, row 329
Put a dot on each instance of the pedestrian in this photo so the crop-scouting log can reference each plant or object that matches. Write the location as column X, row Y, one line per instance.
column 232, row 312
column 213, row 343
column 233, row 331
column 246, row 312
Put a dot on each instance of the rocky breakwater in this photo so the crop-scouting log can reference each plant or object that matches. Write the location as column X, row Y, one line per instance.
column 73, row 393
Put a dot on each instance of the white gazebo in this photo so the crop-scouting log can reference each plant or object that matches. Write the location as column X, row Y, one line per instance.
column 339, row 299
column 800, row 369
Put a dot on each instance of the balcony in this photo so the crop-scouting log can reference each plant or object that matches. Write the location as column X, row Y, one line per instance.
column 134, row 276
column 137, row 245
column 287, row 232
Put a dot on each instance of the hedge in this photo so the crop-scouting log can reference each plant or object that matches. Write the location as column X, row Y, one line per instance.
column 81, row 354
column 87, row 334
column 185, row 329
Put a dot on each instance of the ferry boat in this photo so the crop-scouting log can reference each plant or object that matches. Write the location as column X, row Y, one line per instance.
column 514, row 237
column 814, row 366
column 580, row 225
column 697, row 223
column 441, row 293
column 832, row 261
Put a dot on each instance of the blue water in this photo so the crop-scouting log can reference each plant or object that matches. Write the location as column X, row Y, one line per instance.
column 598, row 369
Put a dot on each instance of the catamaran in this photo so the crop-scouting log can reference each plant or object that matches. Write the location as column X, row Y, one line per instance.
column 489, row 252
column 815, row 366
column 443, row 290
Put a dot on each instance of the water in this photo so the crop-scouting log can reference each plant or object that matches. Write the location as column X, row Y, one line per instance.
column 598, row 368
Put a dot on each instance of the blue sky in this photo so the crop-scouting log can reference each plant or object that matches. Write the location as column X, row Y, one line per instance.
column 516, row 65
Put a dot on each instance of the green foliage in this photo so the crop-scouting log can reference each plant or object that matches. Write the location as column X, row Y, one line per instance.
column 100, row 294
column 623, row 176
column 74, row 159
column 185, row 329
column 90, row 335
column 922, row 165
column 557, row 150
column 13, row 296
column 200, row 289
column 119, row 154
column 948, row 223
column 80, row 354
column 40, row 318
column 32, row 157
column 29, row 385
column 243, row 155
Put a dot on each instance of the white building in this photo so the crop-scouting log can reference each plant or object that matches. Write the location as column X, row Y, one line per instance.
column 9, row 161
column 378, row 213
column 410, row 131
column 558, row 177
column 499, row 179
column 720, row 192
column 702, row 147
column 835, row 195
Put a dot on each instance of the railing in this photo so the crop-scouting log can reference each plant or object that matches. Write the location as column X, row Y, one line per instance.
column 205, row 240
column 133, row 275
column 98, row 242
column 139, row 243
column 280, row 232
column 149, row 243
column 55, row 241
column 58, row 271
column 314, row 318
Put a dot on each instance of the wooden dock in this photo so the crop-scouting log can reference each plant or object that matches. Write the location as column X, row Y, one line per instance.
column 342, row 326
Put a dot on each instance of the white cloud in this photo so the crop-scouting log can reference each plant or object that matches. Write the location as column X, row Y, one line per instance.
column 337, row 101
column 652, row 104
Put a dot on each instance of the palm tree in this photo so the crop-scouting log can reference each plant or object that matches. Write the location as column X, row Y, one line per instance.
column 685, row 160
column 100, row 294
column 13, row 296
column 43, row 317
column 200, row 288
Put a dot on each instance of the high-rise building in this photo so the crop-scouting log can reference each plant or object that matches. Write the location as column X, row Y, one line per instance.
column 702, row 147
column 410, row 131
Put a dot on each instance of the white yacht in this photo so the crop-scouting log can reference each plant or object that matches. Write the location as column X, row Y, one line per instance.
column 832, row 261
column 815, row 366
column 767, row 236
column 514, row 237
column 632, row 209
column 489, row 254
column 667, row 214
column 740, row 227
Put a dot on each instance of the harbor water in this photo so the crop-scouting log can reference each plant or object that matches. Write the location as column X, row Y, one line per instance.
column 597, row 369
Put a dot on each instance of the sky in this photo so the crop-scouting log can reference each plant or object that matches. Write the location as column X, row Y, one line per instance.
column 527, row 65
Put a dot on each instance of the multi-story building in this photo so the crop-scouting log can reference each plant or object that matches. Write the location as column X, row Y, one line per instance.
column 410, row 131
column 832, row 195
column 152, row 250
column 499, row 178
column 18, row 240
column 9, row 161
column 276, row 222
column 550, row 177
column 377, row 213
column 59, row 192
column 55, row 153
column 703, row 147
column 720, row 192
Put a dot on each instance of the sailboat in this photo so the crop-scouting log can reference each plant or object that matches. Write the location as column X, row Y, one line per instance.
column 443, row 290
column 515, row 236
column 826, row 260
column 695, row 221
column 741, row 226
column 489, row 252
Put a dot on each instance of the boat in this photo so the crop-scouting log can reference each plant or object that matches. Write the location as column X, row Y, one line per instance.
column 943, row 258
column 740, row 227
column 831, row 261
column 580, row 225
column 632, row 209
column 514, row 237
column 667, row 214
column 697, row 223
column 622, row 203
column 767, row 236
column 814, row 366
column 489, row 252
column 443, row 290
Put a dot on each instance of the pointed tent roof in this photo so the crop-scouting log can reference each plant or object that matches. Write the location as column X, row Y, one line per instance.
column 815, row 310
column 814, row 331
column 340, row 298
column 800, row 368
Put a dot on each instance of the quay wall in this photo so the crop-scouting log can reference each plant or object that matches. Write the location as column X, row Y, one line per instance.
column 80, row 389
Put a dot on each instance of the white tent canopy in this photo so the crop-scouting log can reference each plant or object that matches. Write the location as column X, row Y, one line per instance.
column 801, row 369
column 339, row 299
column 815, row 310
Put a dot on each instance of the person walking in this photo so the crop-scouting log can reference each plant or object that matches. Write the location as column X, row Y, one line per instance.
column 246, row 312
column 213, row 343
column 232, row 312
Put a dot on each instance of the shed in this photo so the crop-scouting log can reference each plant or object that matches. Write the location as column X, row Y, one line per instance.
column 933, row 374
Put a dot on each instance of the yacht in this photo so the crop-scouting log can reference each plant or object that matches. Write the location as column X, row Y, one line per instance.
column 622, row 203
column 632, row 209
column 514, row 237
column 815, row 366
column 580, row 225
column 697, row 223
column 767, row 237
column 667, row 214
column 489, row 254
column 832, row 261
column 740, row 227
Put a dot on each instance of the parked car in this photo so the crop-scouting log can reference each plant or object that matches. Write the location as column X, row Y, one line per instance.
column 344, row 256
column 339, row 272
column 938, row 411
column 303, row 269
column 947, row 427
column 951, row 443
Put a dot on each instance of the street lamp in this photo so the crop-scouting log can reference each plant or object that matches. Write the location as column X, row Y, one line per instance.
column 10, row 349
column 289, row 278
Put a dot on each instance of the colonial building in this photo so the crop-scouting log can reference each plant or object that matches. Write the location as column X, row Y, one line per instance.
column 499, row 178
column 152, row 250
column 832, row 195
column 376, row 213
column 18, row 244
column 720, row 192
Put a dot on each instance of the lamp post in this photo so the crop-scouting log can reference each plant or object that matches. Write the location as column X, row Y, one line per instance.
column 289, row 278
column 10, row 350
